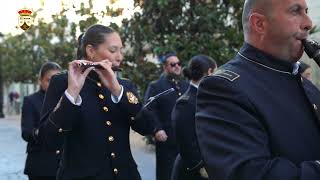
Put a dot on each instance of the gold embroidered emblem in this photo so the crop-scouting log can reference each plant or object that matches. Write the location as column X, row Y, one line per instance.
column 132, row 98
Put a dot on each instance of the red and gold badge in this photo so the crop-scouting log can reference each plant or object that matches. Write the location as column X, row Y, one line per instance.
column 25, row 19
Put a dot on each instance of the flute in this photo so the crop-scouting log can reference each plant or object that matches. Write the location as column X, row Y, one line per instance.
column 85, row 65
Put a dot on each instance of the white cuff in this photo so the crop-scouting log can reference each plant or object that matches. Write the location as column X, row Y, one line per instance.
column 76, row 102
column 116, row 99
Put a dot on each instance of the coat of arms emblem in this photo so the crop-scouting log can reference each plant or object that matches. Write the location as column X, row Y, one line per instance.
column 25, row 19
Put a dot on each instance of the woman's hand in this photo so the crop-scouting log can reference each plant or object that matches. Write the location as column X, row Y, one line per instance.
column 76, row 77
column 108, row 77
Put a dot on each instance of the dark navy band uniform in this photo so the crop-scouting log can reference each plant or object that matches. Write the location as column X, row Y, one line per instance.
column 183, row 117
column 258, row 119
column 40, row 162
column 95, row 134
column 166, row 152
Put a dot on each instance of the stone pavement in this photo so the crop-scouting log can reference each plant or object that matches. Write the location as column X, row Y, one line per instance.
column 12, row 152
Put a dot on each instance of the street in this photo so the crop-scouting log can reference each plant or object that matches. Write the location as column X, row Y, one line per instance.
column 12, row 152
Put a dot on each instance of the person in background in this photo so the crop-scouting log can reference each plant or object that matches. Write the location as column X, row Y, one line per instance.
column 306, row 71
column 166, row 148
column 41, row 164
column 190, row 166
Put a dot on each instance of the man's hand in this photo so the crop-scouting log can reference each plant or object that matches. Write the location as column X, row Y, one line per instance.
column 161, row 136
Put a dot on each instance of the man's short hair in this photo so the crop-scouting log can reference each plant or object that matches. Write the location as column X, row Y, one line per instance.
column 163, row 58
column 247, row 7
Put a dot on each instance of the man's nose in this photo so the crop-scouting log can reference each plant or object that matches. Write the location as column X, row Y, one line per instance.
column 307, row 23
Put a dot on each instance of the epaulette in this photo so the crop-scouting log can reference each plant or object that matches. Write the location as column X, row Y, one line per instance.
column 226, row 74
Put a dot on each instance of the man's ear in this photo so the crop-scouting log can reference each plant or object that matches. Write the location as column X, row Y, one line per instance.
column 258, row 23
column 164, row 67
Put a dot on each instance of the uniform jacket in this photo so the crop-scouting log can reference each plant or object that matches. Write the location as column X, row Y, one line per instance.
column 162, row 108
column 39, row 162
column 256, row 120
column 95, row 134
column 183, row 118
column 166, row 152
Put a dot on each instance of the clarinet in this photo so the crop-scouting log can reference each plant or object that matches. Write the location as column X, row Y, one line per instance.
column 312, row 49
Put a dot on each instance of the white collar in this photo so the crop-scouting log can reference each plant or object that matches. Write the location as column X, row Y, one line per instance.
column 194, row 85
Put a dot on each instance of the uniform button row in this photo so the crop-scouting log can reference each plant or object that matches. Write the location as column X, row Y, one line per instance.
column 101, row 96
column 315, row 107
column 108, row 123
column 115, row 170
column 105, row 109
column 111, row 139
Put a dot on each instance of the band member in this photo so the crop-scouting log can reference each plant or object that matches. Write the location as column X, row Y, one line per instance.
column 255, row 119
column 183, row 116
column 41, row 164
column 91, row 111
column 166, row 148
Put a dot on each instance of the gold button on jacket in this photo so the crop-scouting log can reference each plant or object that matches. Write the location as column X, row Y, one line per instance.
column 105, row 109
column 108, row 123
column 115, row 170
column 101, row 96
column 111, row 138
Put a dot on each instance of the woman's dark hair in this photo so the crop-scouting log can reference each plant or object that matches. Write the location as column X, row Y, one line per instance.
column 79, row 54
column 198, row 67
column 48, row 66
column 303, row 67
column 94, row 36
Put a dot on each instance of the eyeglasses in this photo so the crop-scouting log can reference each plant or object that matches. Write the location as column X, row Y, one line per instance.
column 174, row 64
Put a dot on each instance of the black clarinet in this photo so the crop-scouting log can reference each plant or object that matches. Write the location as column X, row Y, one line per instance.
column 312, row 49
column 85, row 65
